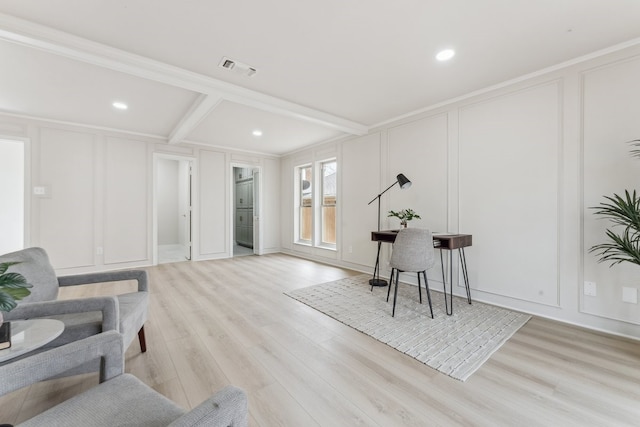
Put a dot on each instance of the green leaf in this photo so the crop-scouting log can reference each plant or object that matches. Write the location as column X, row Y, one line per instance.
column 622, row 247
column 7, row 302
column 17, row 293
column 5, row 265
column 13, row 280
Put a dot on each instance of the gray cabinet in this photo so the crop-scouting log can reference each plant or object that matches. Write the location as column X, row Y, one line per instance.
column 243, row 207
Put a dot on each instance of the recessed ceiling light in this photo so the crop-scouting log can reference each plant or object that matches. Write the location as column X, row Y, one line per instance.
column 257, row 132
column 445, row 55
column 120, row 105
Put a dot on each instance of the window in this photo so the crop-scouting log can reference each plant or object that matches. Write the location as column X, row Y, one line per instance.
column 316, row 204
column 306, row 204
column 328, row 219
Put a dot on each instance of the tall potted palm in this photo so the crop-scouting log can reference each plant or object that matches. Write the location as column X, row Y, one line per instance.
column 624, row 213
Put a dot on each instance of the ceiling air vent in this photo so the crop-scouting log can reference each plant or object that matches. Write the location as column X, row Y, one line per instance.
column 228, row 64
column 237, row 67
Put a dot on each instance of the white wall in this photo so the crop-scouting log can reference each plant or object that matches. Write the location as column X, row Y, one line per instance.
column 12, row 208
column 97, row 213
column 124, row 229
column 213, row 194
column 518, row 168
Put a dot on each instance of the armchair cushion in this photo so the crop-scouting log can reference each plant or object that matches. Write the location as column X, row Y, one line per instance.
column 120, row 399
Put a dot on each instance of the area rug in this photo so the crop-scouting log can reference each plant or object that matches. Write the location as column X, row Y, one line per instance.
column 455, row 345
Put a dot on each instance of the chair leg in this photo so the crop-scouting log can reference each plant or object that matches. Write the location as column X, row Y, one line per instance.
column 395, row 294
column 390, row 282
column 419, row 288
column 143, row 341
column 426, row 286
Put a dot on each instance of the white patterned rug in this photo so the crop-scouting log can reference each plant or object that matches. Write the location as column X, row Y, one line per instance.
column 455, row 345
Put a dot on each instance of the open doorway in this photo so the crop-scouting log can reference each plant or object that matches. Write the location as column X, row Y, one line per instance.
column 173, row 209
column 12, row 189
column 246, row 210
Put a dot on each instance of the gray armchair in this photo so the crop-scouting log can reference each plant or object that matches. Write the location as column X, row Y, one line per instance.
column 82, row 317
column 120, row 399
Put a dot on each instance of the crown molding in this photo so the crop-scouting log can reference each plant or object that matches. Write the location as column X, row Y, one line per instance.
column 57, row 42
column 510, row 82
column 87, row 126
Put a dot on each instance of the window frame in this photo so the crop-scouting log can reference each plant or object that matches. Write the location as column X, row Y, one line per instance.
column 317, row 190
column 320, row 214
column 299, row 204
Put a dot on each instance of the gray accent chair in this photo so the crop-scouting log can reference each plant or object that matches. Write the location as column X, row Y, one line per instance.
column 412, row 252
column 120, row 399
column 82, row 317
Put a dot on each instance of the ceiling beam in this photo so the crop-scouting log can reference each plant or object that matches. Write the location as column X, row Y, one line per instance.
column 198, row 111
column 56, row 42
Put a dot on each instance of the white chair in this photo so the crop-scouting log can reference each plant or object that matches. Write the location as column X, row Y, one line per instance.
column 412, row 253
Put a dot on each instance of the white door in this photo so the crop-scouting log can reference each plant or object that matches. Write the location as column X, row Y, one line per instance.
column 184, row 203
column 12, row 192
column 257, row 203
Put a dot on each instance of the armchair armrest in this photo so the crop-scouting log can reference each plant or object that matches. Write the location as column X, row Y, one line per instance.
column 107, row 276
column 108, row 346
column 107, row 305
column 228, row 407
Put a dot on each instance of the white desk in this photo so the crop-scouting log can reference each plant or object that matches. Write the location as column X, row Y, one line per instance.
column 27, row 335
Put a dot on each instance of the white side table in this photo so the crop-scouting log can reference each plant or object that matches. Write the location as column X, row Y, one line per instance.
column 27, row 335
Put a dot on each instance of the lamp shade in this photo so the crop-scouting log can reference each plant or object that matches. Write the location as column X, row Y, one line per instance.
column 403, row 181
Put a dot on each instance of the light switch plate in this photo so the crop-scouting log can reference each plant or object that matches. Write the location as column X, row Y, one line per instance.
column 629, row 295
column 590, row 289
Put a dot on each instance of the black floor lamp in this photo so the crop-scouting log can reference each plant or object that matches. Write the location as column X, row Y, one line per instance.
column 404, row 182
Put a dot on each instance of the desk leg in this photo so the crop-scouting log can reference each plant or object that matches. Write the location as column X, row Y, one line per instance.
column 448, row 304
column 465, row 274
column 376, row 280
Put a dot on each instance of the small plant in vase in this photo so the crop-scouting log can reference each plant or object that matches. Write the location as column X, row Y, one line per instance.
column 13, row 287
column 405, row 215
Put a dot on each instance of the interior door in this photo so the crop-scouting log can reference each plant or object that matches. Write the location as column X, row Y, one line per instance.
column 257, row 203
column 185, row 201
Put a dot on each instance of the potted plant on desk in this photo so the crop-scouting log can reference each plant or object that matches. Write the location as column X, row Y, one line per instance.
column 405, row 215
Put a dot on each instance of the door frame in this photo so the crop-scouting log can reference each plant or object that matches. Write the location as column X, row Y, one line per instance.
column 258, row 246
column 194, row 231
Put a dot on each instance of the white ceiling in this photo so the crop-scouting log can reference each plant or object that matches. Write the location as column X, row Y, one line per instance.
column 326, row 68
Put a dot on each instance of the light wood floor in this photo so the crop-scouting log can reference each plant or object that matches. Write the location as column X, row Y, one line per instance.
column 222, row 322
